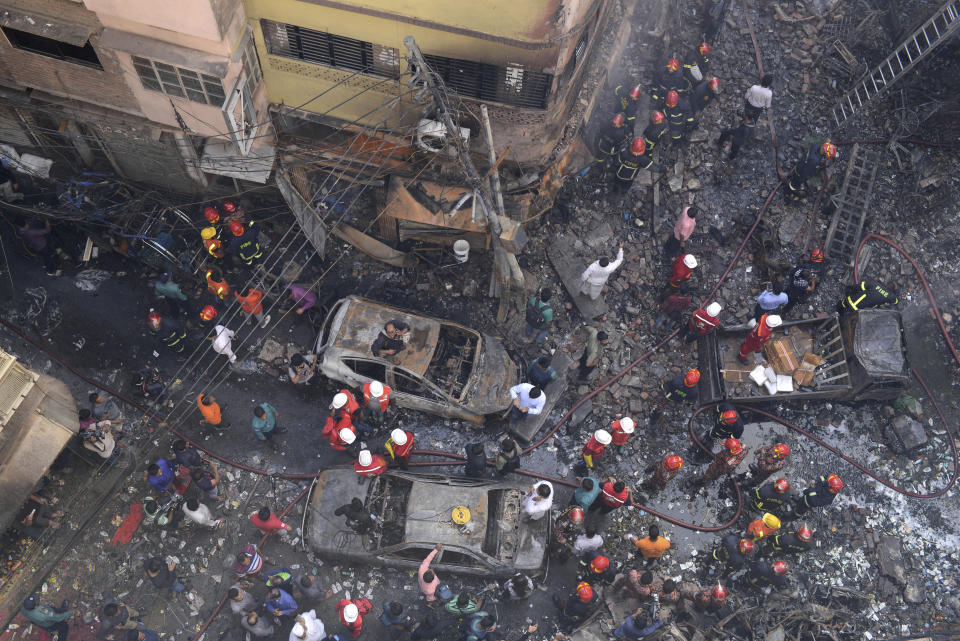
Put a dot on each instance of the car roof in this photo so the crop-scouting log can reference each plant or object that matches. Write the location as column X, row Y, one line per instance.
column 429, row 515
column 363, row 321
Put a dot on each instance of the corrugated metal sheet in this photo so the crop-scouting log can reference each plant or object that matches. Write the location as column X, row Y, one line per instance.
column 15, row 384
column 11, row 131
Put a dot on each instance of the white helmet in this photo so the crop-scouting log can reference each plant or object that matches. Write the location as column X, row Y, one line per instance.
column 714, row 308
column 350, row 613
column 365, row 458
column 298, row 630
column 399, row 436
column 689, row 261
column 627, row 425
column 774, row 321
column 603, row 437
column 347, row 436
column 339, row 400
column 376, row 389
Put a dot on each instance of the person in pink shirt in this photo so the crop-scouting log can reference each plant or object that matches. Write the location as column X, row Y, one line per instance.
column 428, row 580
column 682, row 231
column 268, row 522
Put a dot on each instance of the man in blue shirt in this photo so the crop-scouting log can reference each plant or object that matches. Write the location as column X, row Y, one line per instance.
column 586, row 494
column 160, row 475
column 265, row 423
column 279, row 602
column 770, row 301
column 541, row 372
column 633, row 627
column 46, row 617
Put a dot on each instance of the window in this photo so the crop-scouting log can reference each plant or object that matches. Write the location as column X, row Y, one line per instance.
column 407, row 384
column 51, row 48
column 412, row 553
column 322, row 48
column 177, row 82
column 459, row 558
column 370, row 369
column 512, row 85
column 251, row 67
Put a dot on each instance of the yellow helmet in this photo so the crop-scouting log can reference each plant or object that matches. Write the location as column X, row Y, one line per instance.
column 208, row 232
column 771, row 521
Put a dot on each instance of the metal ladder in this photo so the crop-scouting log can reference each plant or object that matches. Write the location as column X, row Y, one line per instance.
column 852, row 204
column 944, row 23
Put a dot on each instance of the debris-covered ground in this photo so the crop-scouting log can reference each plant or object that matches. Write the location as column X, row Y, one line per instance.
column 883, row 564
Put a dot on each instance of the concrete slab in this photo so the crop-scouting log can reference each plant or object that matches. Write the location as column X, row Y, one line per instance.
column 905, row 434
column 599, row 237
column 569, row 266
column 526, row 430
column 891, row 559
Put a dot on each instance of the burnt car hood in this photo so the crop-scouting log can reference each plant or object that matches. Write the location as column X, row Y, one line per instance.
column 494, row 373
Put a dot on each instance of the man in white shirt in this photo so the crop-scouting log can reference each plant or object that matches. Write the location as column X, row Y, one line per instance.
column 527, row 399
column 307, row 627
column 587, row 542
column 200, row 513
column 222, row 342
column 595, row 276
column 758, row 98
column 537, row 502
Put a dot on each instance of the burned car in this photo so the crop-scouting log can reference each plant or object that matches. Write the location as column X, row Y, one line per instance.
column 445, row 368
column 416, row 511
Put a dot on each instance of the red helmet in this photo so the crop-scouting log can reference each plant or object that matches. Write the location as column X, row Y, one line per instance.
column 719, row 593
column 703, row 598
column 236, row 228
column 816, row 255
column 782, row 486
column 692, row 377
column 673, row 462
column 746, row 546
column 729, row 417
column 576, row 515
column 657, row 117
column 154, row 319
column 618, row 120
column 804, row 533
column 779, row 568
column 672, row 98
column 638, row 146
column 211, row 214
column 599, row 564
column 208, row 313
column 714, row 84
column 704, row 48
column 673, row 64
column 834, row 483
column 584, row 591
column 781, row 450
column 635, row 92
column 829, row 150
column 733, row 445
column 229, row 206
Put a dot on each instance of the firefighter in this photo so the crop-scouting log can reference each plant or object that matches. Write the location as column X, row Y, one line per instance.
column 345, row 404
column 737, row 136
column 681, row 270
column 669, row 79
column 232, row 211
column 867, row 294
column 759, row 335
column 710, row 600
column 211, row 214
column 169, row 330
column 769, row 459
column 703, row 321
column 368, row 464
column 579, row 606
column 703, row 94
column 376, row 402
column 802, row 281
column 217, row 284
column 653, row 133
column 244, row 242
column 725, row 461
column 252, row 305
column 596, row 568
column 211, row 243
column 812, row 162
column 728, row 424
column 679, row 116
column 771, row 496
column 628, row 100
column 207, row 315
column 732, row 552
column 820, row 495
column 763, row 527
column 764, row 573
column 595, row 447
column 694, row 72
column 664, row 472
column 631, row 159
column 612, row 138
column 798, row 541
column 679, row 390
column 565, row 529
column 400, row 446
column 341, row 433
column 621, row 429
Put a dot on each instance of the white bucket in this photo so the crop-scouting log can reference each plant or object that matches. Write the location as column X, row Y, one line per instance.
column 461, row 250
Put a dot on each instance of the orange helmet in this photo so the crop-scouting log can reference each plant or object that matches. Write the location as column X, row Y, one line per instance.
column 692, row 377
column 576, row 515
column 834, row 483
column 714, row 84
column 673, row 462
column 584, row 591
column 657, row 117
column 154, row 319
column 638, row 146
column 816, row 255
column 618, row 120
column 704, row 48
column 208, row 313
column 719, row 593
column 211, row 214
column 599, row 564
column 733, row 445
column 729, row 417
column 673, row 64
column 781, row 450
column 829, row 150
column 782, row 486
column 804, row 533
column 746, row 546
column 672, row 98
column 229, row 206
column 635, row 92
column 779, row 568
column 236, row 228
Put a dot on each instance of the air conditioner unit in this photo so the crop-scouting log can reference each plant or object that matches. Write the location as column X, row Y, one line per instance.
column 432, row 135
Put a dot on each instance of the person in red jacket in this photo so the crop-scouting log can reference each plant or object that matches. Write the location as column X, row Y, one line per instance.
column 665, row 471
column 345, row 403
column 621, row 429
column 400, row 447
column 595, row 447
column 759, row 335
column 613, row 494
column 726, row 461
column 341, row 434
column 368, row 464
column 703, row 321
column 252, row 305
column 268, row 522
column 376, row 401
column 682, row 269
column 351, row 613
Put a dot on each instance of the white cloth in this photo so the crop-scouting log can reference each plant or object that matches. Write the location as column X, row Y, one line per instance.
column 534, row 505
column 222, row 344
column 313, row 628
column 594, row 277
column 759, row 97
column 584, row 544
column 202, row 515
column 522, row 392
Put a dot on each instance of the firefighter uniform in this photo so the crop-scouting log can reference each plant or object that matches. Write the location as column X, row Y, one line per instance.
column 666, row 82
column 626, row 105
column 766, row 464
column 592, row 451
column 629, row 163
column 172, row 333
column 400, row 453
column 680, row 119
column 810, row 163
column 702, row 63
column 759, row 530
column 661, row 476
column 727, row 430
column 219, row 288
column 761, row 575
column 701, row 97
column 678, row 392
column 867, row 294
column 377, row 466
column 564, row 532
column 619, row 435
column 724, row 463
column 610, row 141
column 653, row 133
column 728, row 552
column 756, row 338
column 818, row 496
column 788, row 542
column 383, row 401
column 331, row 431
column 701, row 323
column 766, row 498
column 679, row 272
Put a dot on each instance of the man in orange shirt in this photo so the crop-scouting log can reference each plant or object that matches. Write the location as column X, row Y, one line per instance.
column 653, row 546
column 211, row 411
column 252, row 305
